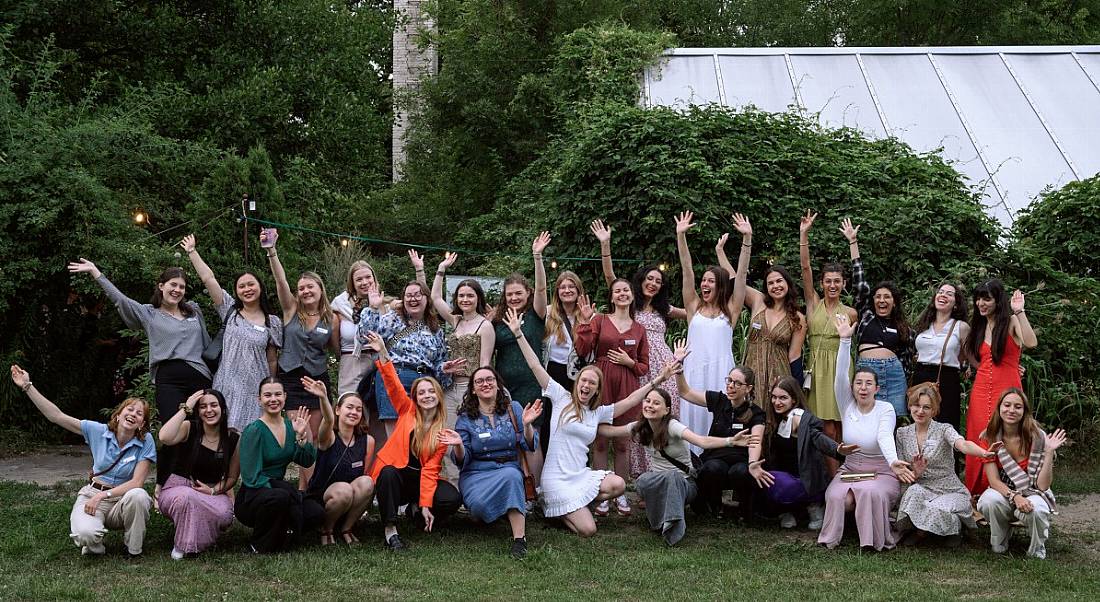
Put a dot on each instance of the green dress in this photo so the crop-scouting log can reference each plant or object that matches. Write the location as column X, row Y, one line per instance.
column 824, row 343
column 518, row 378
column 263, row 460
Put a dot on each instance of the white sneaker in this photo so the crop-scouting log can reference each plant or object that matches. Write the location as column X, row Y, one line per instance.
column 817, row 516
column 94, row 550
column 603, row 508
column 176, row 554
column 787, row 521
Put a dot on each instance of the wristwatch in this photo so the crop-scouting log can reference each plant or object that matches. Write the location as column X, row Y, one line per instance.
column 107, row 493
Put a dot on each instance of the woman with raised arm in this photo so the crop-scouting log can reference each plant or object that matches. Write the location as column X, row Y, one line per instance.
column 568, row 485
column 1020, row 476
column 734, row 412
column 311, row 328
column 408, row 465
column 531, row 305
column 777, row 329
column 885, row 341
column 668, row 487
column 275, row 510
column 177, row 337
column 198, row 496
column 711, row 313
column 793, row 475
column 999, row 332
column 495, row 431
column 621, row 349
column 558, row 351
column 345, row 451
column 941, row 330
column 821, row 312
column 355, row 364
column 936, row 503
column 869, row 481
column 651, row 309
column 122, row 454
column 251, row 339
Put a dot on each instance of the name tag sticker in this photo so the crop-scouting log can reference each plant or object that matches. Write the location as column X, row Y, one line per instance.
column 258, row 328
column 630, row 342
column 756, row 326
column 484, row 435
column 737, row 426
column 322, row 330
column 191, row 319
column 358, row 464
column 891, row 330
column 127, row 459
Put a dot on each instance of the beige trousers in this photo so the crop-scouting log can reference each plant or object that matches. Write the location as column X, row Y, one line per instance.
column 129, row 513
column 1000, row 513
column 452, row 399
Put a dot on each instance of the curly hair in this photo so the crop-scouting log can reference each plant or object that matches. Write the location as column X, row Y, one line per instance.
column 470, row 405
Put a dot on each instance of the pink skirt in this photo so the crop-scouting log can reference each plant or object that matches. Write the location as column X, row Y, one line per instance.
column 874, row 499
column 199, row 518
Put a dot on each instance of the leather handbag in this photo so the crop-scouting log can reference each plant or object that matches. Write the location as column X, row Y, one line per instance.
column 529, row 490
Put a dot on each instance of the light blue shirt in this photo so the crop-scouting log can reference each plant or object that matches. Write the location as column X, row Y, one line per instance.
column 105, row 449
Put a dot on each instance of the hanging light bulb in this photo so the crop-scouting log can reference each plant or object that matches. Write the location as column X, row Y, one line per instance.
column 343, row 242
column 140, row 218
column 553, row 264
column 663, row 267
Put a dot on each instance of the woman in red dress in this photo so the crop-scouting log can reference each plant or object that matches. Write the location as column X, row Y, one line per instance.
column 622, row 352
column 998, row 333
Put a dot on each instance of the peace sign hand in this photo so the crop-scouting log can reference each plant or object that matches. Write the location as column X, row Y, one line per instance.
column 806, row 222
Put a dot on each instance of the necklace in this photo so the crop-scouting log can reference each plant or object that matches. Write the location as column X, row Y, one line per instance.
column 313, row 314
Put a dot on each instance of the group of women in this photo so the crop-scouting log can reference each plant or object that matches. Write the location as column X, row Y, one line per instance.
column 520, row 405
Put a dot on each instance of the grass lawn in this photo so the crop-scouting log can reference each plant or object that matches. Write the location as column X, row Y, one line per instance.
column 470, row 562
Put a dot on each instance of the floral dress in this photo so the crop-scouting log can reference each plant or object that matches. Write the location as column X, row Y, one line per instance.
column 244, row 362
column 938, row 502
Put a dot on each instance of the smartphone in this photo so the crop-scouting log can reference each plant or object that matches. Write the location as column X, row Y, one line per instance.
column 268, row 236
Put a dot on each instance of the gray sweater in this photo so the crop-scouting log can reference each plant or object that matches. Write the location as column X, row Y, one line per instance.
column 169, row 338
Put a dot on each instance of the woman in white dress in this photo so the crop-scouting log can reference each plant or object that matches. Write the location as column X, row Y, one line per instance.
column 568, row 485
column 711, row 313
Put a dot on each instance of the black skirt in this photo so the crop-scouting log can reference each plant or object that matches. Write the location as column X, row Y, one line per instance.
column 296, row 394
column 950, row 390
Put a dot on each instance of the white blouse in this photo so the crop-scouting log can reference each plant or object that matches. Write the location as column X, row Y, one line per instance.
column 930, row 345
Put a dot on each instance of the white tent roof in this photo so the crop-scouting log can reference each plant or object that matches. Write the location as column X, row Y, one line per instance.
column 1028, row 115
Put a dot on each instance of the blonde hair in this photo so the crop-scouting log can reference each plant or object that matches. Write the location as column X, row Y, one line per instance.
column 924, row 390
column 349, row 285
column 554, row 319
column 323, row 307
column 426, row 435
column 575, row 410
column 112, row 424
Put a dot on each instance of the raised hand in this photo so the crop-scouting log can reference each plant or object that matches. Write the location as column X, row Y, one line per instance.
column 376, row 343
column 532, row 411
column 671, row 369
column 448, row 261
column 585, row 308
column 806, row 222
column 268, row 237
column 683, row 222
column 83, row 266
column 680, row 349
column 620, row 357
column 742, row 225
column 847, row 449
column 764, row 479
column 602, row 232
column 1017, row 301
column 315, row 388
column 902, row 471
column 541, row 242
column 455, row 366
column 416, row 259
column 848, row 230
column 374, row 296
column 721, row 244
column 514, row 322
column 844, row 326
column 188, row 243
column 1055, row 440
column 20, row 377
column 299, row 421
column 449, row 437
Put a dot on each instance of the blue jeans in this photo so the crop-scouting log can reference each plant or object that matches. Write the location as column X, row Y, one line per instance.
column 891, row 381
column 386, row 411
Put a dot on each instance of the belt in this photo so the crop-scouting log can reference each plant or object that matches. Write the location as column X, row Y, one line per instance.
column 100, row 486
column 418, row 368
column 504, row 460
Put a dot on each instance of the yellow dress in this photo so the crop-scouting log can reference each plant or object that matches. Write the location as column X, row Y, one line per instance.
column 824, row 343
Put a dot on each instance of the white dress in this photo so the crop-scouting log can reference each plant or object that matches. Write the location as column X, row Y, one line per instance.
column 706, row 368
column 567, row 482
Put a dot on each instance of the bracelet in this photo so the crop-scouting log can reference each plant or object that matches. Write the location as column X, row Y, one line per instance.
column 27, row 387
column 192, row 251
column 186, row 410
column 440, row 272
column 851, row 242
column 729, row 441
column 270, row 255
column 605, row 254
column 1016, row 313
column 803, row 244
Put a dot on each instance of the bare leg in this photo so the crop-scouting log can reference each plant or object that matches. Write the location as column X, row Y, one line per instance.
column 612, row 486
column 362, row 491
column 599, row 453
column 338, row 498
column 580, row 521
column 304, row 473
column 518, row 522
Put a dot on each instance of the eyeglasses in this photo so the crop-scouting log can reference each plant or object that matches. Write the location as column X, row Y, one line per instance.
column 736, row 384
column 413, row 295
column 485, row 380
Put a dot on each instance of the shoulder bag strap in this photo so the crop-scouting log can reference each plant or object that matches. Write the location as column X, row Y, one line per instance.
column 943, row 352
column 674, row 461
column 519, row 434
column 92, row 475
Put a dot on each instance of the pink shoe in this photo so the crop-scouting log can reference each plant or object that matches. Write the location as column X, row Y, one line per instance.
column 602, row 509
column 622, row 505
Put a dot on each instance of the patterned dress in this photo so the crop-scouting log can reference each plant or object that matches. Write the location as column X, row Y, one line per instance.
column 937, row 503
column 244, row 362
column 767, row 353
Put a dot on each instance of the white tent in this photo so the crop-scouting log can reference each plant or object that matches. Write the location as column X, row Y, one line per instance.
column 1013, row 120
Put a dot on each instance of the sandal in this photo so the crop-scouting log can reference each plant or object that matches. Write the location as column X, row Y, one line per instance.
column 327, row 539
column 622, row 505
column 602, row 509
column 349, row 537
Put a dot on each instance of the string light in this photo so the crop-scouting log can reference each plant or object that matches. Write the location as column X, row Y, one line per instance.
column 663, row 267
column 140, row 217
column 343, row 242
column 554, row 264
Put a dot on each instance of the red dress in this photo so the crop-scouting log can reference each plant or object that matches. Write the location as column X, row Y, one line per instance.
column 991, row 380
column 601, row 336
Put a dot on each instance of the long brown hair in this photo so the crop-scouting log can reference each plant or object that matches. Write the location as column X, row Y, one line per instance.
column 470, row 407
column 791, row 387
column 574, row 412
column 723, row 290
column 158, row 297
column 431, row 319
column 790, row 300
column 426, row 434
column 555, row 319
column 958, row 312
column 643, row 432
column 1029, row 427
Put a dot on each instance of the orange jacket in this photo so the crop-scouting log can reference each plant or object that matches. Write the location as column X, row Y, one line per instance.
column 395, row 452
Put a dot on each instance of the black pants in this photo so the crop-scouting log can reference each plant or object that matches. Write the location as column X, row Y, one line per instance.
column 556, row 372
column 399, row 486
column 715, row 476
column 950, row 391
column 277, row 515
column 176, row 381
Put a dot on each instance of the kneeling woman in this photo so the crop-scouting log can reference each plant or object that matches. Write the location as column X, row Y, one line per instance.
column 795, row 447
column 667, row 487
column 196, row 496
column 122, row 454
column 867, row 483
column 489, row 459
column 937, row 502
column 408, row 465
column 275, row 509
column 1020, row 476
column 344, row 453
column 568, row 485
